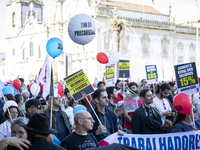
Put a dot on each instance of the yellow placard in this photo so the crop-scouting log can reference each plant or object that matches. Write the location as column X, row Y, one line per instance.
column 110, row 70
column 187, row 81
column 109, row 76
column 77, row 82
column 124, row 66
column 152, row 75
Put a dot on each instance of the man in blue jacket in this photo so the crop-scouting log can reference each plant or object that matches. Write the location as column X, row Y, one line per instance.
column 107, row 117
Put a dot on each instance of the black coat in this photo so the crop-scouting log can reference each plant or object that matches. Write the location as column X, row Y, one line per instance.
column 39, row 143
column 139, row 122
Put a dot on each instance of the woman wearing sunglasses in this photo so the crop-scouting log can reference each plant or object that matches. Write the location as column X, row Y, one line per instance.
column 184, row 123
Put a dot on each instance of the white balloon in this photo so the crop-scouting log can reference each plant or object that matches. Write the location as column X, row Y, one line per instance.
column 81, row 29
column 35, row 89
column 113, row 57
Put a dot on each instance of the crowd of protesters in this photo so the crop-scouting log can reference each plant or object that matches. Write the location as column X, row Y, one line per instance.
column 27, row 123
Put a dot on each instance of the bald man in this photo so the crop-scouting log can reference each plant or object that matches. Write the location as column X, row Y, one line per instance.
column 80, row 139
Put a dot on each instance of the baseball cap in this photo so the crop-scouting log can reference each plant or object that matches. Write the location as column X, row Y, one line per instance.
column 34, row 102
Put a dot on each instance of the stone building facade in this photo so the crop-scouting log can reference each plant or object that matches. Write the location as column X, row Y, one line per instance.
column 150, row 39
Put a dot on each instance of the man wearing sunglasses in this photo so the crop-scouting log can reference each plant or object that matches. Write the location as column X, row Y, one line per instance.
column 33, row 106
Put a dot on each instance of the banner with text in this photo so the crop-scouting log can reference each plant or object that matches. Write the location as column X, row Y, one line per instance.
column 186, row 78
column 78, row 85
column 124, row 69
column 172, row 141
column 110, row 75
column 152, row 74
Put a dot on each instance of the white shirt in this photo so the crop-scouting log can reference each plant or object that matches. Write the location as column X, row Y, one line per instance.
column 159, row 105
column 5, row 130
column 69, row 112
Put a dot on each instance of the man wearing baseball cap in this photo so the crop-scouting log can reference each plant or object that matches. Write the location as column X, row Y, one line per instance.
column 33, row 106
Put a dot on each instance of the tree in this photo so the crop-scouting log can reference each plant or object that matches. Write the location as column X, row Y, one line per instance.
column 117, row 26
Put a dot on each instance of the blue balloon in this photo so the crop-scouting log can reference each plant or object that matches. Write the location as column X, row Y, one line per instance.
column 54, row 47
column 8, row 90
column 78, row 108
column 10, row 85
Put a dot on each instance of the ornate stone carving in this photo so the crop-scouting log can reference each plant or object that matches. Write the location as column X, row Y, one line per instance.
column 165, row 47
column 145, row 45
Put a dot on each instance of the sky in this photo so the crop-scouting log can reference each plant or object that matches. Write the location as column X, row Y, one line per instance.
column 181, row 9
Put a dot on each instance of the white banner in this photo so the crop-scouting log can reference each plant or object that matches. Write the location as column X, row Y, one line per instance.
column 172, row 141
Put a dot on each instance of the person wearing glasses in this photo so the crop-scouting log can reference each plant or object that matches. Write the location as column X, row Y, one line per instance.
column 143, row 85
column 80, row 139
column 161, row 103
column 184, row 123
column 5, row 127
column 33, row 106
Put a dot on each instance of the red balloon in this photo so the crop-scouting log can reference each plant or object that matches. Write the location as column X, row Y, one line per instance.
column 60, row 89
column 183, row 104
column 17, row 83
column 30, row 85
column 102, row 58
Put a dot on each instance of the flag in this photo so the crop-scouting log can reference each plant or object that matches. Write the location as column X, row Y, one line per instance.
column 163, row 72
column 1, row 87
column 95, row 82
column 45, row 77
column 138, row 80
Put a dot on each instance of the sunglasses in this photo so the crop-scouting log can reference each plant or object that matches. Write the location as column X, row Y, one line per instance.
column 194, row 110
column 39, row 107
column 164, row 106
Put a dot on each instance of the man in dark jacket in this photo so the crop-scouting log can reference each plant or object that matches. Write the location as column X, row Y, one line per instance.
column 145, row 120
column 107, row 118
column 38, row 131
column 60, row 120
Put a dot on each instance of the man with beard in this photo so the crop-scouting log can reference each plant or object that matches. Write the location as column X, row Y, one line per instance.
column 145, row 120
column 161, row 103
column 80, row 139
column 60, row 120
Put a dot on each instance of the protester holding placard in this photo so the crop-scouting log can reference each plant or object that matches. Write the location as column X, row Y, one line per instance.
column 108, row 119
column 145, row 119
column 60, row 120
column 128, row 115
column 161, row 103
column 184, row 123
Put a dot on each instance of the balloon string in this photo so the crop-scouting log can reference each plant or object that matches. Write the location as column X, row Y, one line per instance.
column 191, row 121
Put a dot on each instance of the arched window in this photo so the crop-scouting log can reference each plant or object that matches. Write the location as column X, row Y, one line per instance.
column 13, row 19
column 180, row 47
column 23, row 54
column 192, row 47
column 39, row 52
column 31, row 49
column 13, row 52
